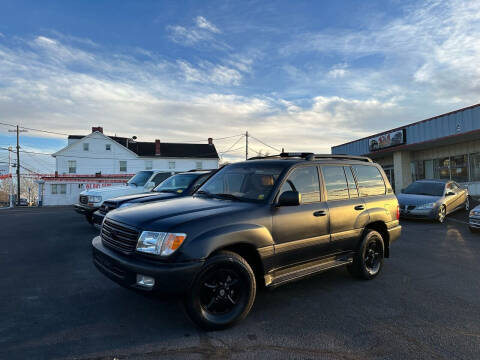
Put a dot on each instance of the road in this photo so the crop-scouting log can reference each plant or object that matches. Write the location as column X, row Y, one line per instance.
column 54, row 304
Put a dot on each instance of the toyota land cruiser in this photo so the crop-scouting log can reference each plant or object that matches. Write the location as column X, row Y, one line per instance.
column 263, row 222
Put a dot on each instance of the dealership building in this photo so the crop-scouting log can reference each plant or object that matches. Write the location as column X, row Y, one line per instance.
column 442, row 147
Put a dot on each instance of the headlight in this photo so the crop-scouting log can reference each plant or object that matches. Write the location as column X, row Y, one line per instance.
column 426, row 206
column 127, row 204
column 94, row 199
column 159, row 243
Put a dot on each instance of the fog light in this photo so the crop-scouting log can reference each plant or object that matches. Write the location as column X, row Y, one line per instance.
column 145, row 281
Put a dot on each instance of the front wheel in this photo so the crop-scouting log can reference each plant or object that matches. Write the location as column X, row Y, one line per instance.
column 442, row 214
column 223, row 292
column 368, row 261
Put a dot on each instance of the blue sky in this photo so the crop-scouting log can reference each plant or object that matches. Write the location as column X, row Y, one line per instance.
column 304, row 75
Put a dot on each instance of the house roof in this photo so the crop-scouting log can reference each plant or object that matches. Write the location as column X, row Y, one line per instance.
column 173, row 150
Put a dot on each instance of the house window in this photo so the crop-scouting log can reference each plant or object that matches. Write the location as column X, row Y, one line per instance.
column 108, row 147
column 72, row 166
column 85, row 146
column 123, row 166
column 198, row 165
column 58, row 189
column 148, row 164
column 171, row 164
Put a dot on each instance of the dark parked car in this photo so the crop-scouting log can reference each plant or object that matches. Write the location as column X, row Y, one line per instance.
column 432, row 199
column 181, row 184
column 262, row 222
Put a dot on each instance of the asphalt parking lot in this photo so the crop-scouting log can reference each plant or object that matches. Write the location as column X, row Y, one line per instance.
column 54, row 304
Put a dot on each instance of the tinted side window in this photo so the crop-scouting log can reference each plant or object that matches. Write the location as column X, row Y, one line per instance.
column 370, row 181
column 335, row 182
column 157, row 179
column 352, row 187
column 305, row 181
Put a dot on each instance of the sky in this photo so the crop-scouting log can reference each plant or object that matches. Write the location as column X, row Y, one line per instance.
column 299, row 75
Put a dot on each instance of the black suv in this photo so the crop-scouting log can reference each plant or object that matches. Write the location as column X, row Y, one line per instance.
column 181, row 184
column 262, row 222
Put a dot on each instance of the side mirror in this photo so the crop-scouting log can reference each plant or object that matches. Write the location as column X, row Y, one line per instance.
column 149, row 185
column 290, row 198
column 449, row 193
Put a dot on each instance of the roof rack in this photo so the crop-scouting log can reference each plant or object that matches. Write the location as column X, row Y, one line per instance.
column 311, row 156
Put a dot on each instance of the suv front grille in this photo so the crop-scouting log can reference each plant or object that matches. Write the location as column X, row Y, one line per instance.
column 106, row 207
column 83, row 199
column 119, row 237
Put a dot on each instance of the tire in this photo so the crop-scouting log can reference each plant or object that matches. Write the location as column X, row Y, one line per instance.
column 368, row 260
column 222, row 293
column 467, row 204
column 442, row 214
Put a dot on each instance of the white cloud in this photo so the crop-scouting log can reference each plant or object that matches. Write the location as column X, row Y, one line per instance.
column 201, row 33
column 203, row 23
column 433, row 49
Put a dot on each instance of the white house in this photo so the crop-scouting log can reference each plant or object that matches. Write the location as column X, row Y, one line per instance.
column 97, row 160
column 98, row 153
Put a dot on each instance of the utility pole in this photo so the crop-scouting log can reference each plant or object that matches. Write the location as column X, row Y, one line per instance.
column 18, row 162
column 246, row 145
column 10, row 195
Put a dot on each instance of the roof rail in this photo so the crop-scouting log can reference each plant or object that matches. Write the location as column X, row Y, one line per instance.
column 309, row 156
column 339, row 157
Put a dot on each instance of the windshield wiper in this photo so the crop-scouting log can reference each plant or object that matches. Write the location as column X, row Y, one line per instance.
column 167, row 191
column 227, row 196
column 203, row 192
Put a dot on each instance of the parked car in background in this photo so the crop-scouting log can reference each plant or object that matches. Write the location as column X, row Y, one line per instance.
column 432, row 199
column 181, row 184
column 474, row 219
column 265, row 221
column 144, row 181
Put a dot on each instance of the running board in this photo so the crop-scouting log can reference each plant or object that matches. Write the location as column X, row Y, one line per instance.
column 298, row 272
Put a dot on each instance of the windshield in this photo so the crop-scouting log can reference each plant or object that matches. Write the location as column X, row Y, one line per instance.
column 140, row 178
column 425, row 188
column 243, row 181
column 177, row 183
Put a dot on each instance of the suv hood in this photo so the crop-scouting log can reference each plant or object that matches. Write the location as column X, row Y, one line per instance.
column 413, row 199
column 163, row 215
column 109, row 192
column 138, row 198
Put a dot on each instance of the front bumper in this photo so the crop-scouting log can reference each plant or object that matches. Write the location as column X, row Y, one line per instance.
column 85, row 209
column 419, row 213
column 171, row 278
column 474, row 222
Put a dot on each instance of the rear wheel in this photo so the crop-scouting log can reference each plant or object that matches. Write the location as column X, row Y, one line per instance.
column 223, row 292
column 368, row 261
column 442, row 214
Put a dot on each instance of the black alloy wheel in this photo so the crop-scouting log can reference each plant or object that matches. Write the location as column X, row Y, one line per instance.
column 223, row 292
column 368, row 260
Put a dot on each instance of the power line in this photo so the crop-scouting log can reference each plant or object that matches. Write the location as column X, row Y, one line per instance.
column 235, row 143
column 260, row 141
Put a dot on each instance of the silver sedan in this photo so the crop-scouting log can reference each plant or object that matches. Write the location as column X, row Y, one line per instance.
column 432, row 199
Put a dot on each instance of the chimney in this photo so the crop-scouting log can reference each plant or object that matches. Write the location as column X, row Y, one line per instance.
column 157, row 147
column 97, row 128
column 210, row 141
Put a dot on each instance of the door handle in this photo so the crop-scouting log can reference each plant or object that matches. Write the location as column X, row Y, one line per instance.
column 359, row 207
column 320, row 213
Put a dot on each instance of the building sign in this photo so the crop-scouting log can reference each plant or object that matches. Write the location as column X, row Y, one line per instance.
column 387, row 140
